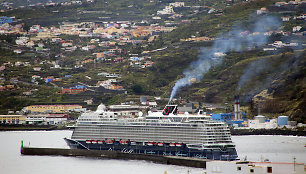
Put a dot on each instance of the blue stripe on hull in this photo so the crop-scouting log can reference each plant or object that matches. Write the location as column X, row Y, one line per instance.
column 157, row 150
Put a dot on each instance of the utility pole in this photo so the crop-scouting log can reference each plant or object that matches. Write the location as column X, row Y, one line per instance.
column 294, row 163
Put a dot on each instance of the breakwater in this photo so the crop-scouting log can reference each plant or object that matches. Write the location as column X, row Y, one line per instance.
column 27, row 127
column 174, row 160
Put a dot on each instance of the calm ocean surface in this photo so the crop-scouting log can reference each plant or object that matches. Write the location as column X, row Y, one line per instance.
column 254, row 148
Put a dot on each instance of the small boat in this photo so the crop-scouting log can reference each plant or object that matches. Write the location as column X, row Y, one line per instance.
column 172, row 144
column 150, row 143
column 71, row 126
column 100, row 142
column 88, row 141
column 133, row 143
column 94, row 142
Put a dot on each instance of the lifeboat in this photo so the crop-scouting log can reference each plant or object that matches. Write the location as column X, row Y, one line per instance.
column 160, row 144
column 124, row 142
column 133, row 143
column 100, row 142
column 88, row 141
column 109, row 141
column 94, row 142
column 172, row 144
column 178, row 144
column 150, row 143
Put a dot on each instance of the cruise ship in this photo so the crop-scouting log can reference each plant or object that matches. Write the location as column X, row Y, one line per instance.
column 164, row 132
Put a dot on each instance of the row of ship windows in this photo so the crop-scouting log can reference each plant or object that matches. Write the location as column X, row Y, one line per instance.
column 209, row 127
column 152, row 129
column 146, row 128
column 151, row 134
column 139, row 129
column 193, row 133
column 154, row 136
column 138, row 124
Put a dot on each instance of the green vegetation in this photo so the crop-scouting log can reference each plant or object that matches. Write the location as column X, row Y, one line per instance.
column 283, row 81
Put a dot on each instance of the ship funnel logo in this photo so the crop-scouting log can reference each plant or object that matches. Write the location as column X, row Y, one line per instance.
column 170, row 109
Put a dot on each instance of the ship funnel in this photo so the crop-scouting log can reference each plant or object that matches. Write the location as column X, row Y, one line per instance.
column 170, row 109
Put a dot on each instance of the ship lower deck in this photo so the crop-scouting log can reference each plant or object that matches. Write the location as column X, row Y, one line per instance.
column 144, row 148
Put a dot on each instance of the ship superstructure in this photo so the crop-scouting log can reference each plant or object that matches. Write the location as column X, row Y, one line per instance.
column 160, row 133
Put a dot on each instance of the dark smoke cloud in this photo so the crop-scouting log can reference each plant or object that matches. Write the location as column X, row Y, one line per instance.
column 253, row 70
column 273, row 75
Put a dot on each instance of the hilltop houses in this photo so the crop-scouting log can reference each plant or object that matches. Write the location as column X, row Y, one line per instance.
column 166, row 10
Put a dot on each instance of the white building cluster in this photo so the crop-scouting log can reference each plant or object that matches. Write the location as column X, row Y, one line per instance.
column 261, row 122
column 47, row 119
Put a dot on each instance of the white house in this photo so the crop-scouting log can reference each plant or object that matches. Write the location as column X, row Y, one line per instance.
column 166, row 10
column 54, row 119
column 35, row 119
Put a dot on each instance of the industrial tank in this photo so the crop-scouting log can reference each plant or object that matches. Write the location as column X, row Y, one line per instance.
column 260, row 118
column 282, row 120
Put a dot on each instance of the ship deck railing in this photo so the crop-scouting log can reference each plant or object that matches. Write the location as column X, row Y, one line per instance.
column 173, row 124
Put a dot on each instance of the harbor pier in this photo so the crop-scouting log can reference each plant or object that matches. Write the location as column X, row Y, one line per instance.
column 174, row 160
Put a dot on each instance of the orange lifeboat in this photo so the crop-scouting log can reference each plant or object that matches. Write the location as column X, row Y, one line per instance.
column 178, row 144
column 109, row 141
column 124, row 142
column 160, row 144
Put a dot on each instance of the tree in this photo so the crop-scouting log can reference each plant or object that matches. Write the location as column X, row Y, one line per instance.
column 137, row 89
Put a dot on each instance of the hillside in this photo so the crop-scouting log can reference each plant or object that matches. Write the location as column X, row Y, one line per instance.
column 277, row 89
column 231, row 60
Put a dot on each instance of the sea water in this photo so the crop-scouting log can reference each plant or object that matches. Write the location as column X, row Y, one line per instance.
column 254, row 148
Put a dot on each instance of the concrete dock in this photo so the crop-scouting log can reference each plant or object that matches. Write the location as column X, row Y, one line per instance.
column 174, row 160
